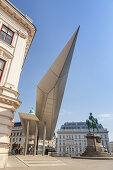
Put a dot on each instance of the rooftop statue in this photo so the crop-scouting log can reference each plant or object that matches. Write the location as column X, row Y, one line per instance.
column 92, row 123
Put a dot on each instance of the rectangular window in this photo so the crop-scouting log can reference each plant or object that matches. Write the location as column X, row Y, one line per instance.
column 105, row 136
column 2, row 66
column 6, row 34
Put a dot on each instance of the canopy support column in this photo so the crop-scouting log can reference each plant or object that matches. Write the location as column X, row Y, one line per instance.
column 35, row 141
column 37, row 145
column 27, row 138
column 44, row 137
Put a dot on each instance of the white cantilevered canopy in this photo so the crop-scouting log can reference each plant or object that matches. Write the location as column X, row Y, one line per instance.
column 24, row 117
column 51, row 88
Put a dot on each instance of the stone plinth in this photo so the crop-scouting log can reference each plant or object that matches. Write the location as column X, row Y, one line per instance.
column 94, row 147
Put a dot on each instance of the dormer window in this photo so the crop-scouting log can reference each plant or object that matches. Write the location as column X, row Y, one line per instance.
column 6, row 34
column 2, row 66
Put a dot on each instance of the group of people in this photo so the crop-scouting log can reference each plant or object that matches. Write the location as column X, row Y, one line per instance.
column 16, row 149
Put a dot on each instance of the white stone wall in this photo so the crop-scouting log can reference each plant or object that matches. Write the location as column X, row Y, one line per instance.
column 14, row 55
column 111, row 147
column 16, row 50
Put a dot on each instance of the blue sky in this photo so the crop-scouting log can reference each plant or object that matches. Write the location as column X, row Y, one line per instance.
column 90, row 82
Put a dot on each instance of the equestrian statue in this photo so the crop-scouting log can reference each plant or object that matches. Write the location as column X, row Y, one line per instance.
column 92, row 123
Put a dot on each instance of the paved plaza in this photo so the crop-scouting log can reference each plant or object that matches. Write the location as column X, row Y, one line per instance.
column 52, row 163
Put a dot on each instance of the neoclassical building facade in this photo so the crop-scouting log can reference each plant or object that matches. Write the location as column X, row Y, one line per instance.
column 16, row 35
column 71, row 138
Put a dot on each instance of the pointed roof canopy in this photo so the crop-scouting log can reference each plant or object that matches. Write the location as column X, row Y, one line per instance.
column 51, row 88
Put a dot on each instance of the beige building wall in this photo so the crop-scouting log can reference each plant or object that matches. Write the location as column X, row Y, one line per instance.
column 17, row 136
column 13, row 54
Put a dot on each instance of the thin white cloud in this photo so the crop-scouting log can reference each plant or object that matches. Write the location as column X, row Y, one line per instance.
column 64, row 112
column 104, row 115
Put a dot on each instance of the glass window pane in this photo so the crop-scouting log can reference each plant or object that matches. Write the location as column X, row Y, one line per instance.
column 8, row 39
column 10, row 33
column 4, row 29
column 2, row 35
column 0, row 73
column 1, row 64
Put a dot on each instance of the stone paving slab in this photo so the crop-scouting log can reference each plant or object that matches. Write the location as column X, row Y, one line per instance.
column 39, row 160
column 93, row 158
column 71, row 164
column 14, row 162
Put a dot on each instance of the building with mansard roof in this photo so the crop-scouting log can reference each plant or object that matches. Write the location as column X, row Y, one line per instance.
column 71, row 138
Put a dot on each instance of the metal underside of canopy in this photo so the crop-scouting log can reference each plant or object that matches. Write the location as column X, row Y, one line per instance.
column 50, row 89
column 24, row 118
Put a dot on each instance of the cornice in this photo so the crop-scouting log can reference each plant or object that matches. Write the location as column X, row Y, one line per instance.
column 14, row 13
column 10, row 90
column 5, row 52
column 10, row 101
column 78, row 132
column 22, row 35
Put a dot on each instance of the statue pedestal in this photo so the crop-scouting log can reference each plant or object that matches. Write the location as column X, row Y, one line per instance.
column 94, row 147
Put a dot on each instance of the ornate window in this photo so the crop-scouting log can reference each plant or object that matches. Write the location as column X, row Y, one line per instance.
column 2, row 66
column 6, row 34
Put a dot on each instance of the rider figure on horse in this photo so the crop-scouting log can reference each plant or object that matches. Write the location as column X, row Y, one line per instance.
column 92, row 123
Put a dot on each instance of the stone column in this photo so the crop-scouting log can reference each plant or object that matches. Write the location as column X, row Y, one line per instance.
column 44, row 137
column 35, row 140
column 27, row 138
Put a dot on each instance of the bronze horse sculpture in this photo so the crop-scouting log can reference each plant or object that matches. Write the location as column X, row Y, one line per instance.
column 92, row 123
